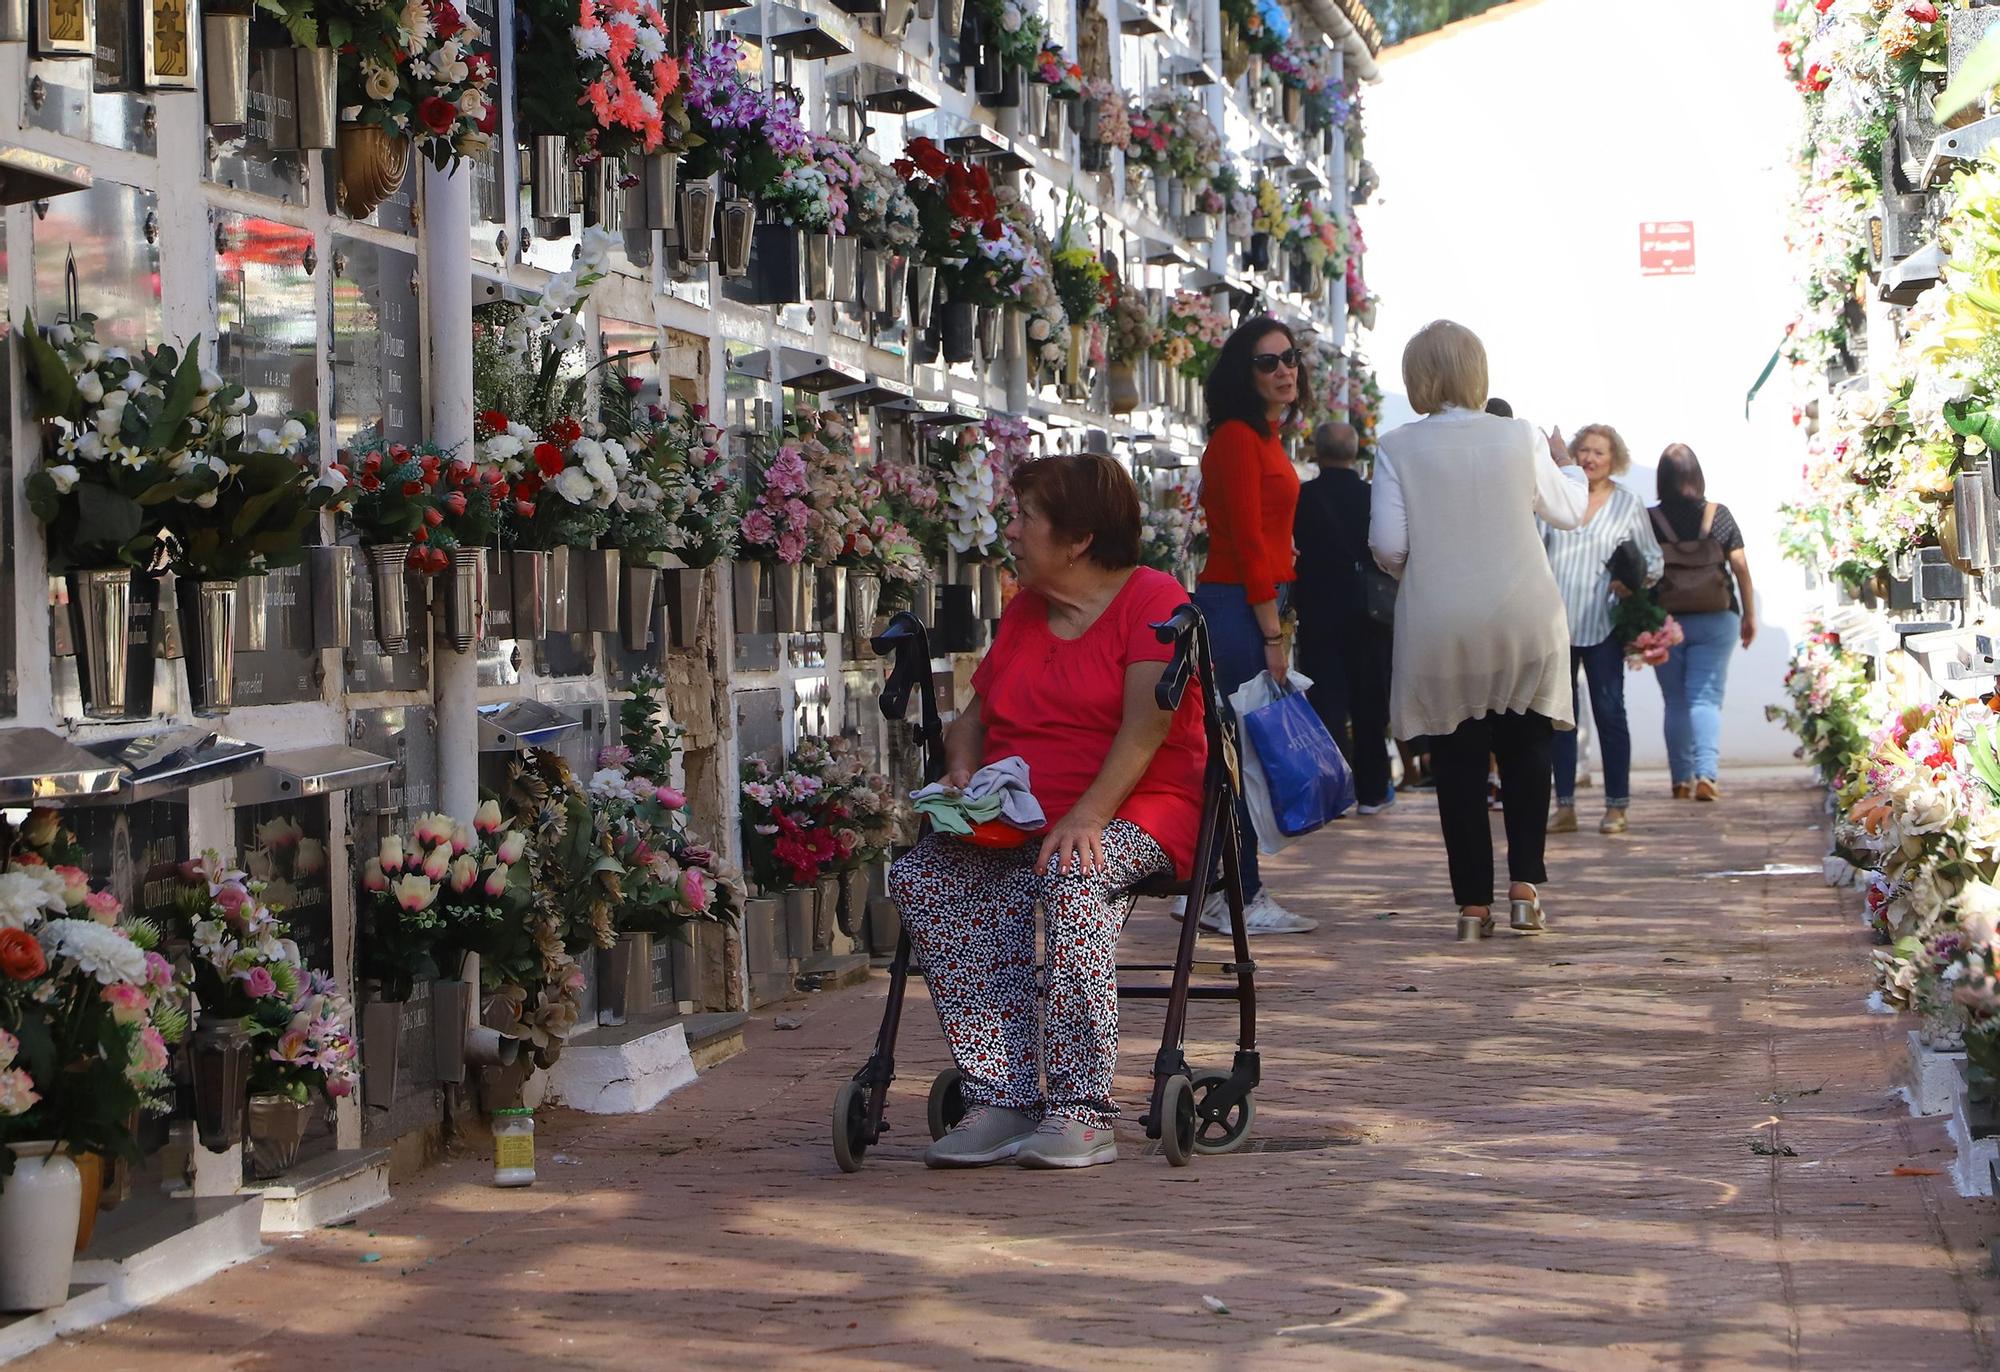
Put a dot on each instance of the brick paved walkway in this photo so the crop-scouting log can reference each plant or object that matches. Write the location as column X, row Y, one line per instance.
column 1533, row 1153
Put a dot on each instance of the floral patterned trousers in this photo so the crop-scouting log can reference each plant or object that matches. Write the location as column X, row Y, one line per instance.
column 970, row 914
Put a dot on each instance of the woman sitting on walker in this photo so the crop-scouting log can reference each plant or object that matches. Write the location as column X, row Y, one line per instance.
column 1068, row 687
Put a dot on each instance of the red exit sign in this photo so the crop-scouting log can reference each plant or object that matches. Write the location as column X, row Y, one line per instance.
column 1666, row 248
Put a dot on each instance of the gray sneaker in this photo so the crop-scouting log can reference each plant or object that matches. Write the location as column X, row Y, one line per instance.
column 988, row 1134
column 1061, row 1142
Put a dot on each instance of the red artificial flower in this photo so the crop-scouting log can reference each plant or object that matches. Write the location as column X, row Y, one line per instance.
column 528, row 485
column 445, row 18
column 20, row 955
column 437, row 114
column 549, row 459
column 420, row 534
column 1923, row 11
column 524, row 509
column 492, row 422
column 565, row 430
column 455, row 502
column 433, row 517
column 413, row 489
column 928, row 156
column 369, row 482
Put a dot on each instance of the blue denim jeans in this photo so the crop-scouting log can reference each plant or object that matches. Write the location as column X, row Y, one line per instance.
column 1604, row 669
column 1237, row 645
column 1691, row 683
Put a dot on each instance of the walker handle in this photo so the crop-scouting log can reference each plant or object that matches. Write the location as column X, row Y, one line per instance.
column 906, row 640
column 1178, row 629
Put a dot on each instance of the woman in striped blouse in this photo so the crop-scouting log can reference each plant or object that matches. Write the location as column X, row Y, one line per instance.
column 1578, row 557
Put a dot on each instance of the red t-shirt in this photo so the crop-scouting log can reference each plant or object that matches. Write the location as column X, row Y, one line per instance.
column 1250, row 493
column 1057, row 704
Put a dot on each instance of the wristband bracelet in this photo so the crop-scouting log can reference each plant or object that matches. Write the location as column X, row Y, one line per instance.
column 1274, row 638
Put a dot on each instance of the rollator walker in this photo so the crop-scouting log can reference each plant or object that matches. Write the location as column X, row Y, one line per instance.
column 1190, row 1112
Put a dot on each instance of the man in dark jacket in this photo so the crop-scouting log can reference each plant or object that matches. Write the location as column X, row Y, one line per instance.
column 1343, row 649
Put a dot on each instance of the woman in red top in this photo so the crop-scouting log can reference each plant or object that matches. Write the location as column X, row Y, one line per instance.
column 1249, row 492
column 1068, row 688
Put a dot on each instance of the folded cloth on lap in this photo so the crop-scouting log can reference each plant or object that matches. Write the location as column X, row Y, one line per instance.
column 998, row 790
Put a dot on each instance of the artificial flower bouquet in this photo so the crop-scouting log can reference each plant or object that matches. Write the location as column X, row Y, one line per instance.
column 753, row 135
column 418, row 71
column 439, row 890
column 1193, row 334
column 605, row 75
column 777, row 521
column 816, row 816
column 1054, row 69
column 974, row 497
column 88, row 1007
column 125, row 438
column 816, row 194
column 880, row 212
column 1829, row 693
column 1649, row 634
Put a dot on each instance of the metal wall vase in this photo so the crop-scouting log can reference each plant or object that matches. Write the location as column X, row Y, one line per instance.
column 13, row 21
column 923, row 293
column 102, row 606
column 219, row 1059
column 874, row 283
column 819, row 266
column 318, row 105
column 747, row 590
column 791, row 601
column 600, row 589
column 956, row 319
column 640, row 584
column 687, row 592
column 697, row 221
column 465, row 599
column 864, row 597
column 830, row 600
column 565, row 583
column 371, row 163
column 225, row 68
column 388, row 565
column 528, row 577
column 208, row 630
column 1008, row 96
column 844, row 285
column 739, row 224
column 990, row 335
column 551, row 184
column 381, row 1052
column 659, row 178
column 1122, row 388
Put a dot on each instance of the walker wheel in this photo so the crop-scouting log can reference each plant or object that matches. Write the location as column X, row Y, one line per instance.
column 1177, row 1137
column 947, row 1103
column 850, row 1126
column 1218, row 1129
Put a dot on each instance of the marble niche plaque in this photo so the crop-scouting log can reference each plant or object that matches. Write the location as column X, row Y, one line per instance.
column 109, row 231
column 284, row 843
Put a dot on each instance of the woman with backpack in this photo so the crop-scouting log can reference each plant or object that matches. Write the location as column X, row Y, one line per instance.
column 1580, row 558
column 1706, row 588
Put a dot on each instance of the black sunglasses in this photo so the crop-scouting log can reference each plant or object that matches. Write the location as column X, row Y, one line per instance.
column 1270, row 362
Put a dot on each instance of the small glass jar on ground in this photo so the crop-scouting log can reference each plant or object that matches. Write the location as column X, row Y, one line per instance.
column 514, row 1147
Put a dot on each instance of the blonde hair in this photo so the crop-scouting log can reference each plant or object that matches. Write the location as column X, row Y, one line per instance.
column 1445, row 364
column 1621, row 456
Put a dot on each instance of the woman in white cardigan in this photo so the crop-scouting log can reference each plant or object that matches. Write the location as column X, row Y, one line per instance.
column 1482, row 642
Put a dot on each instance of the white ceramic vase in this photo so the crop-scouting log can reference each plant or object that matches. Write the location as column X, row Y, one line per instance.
column 39, row 1207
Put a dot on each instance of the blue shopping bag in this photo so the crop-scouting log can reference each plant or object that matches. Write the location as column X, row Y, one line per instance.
column 1308, row 779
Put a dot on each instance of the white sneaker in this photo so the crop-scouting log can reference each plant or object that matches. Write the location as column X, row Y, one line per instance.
column 1178, row 909
column 1215, row 913
column 1378, row 809
column 1262, row 916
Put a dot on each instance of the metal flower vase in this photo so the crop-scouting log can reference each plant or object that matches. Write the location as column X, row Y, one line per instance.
column 219, row 1059
column 791, row 596
column 639, row 588
column 316, row 84
column 565, row 583
column 659, row 179
column 896, row 19
column 864, row 597
column 208, row 610
column 225, row 68
column 957, row 323
column 874, row 279
column 989, row 334
column 686, row 590
column 950, row 16
column 104, row 605
column 697, row 221
column 528, row 578
column 624, row 979
column 278, row 1127
column 1008, row 96
column 777, row 263
column 370, row 164
column 739, row 226
column 923, row 294
column 451, row 1012
column 381, row 1052
column 13, row 21
column 601, row 586
column 829, row 600
column 746, row 587
column 552, row 183
column 1121, row 388
column 844, row 270
column 1035, row 108
column 465, row 599
column 388, row 568
column 1073, row 362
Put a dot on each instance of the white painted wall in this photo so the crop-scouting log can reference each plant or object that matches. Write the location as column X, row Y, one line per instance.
column 1518, row 157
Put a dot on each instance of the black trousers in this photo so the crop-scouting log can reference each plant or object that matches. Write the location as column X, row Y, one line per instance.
column 1458, row 761
column 1348, row 662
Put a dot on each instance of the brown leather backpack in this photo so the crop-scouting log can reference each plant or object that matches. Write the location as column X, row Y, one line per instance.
column 1696, row 576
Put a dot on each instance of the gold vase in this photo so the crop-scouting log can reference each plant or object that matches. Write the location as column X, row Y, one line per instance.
column 372, row 164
